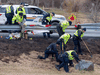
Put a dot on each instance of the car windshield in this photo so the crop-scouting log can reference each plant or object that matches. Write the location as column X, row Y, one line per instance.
column 2, row 10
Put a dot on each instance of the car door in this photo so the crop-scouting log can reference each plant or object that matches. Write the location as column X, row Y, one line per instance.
column 34, row 16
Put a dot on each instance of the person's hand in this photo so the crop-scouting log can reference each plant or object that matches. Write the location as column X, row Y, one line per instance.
column 80, row 39
column 62, row 40
column 18, row 22
column 61, row 55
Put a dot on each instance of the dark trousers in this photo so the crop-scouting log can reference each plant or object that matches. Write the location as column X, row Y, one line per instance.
column 46, row 22
column 48, row 34
column 47, row 53
column 59, row 41
column 9, row 19
column 77, row 44
column 64, row 62
column 59, row 30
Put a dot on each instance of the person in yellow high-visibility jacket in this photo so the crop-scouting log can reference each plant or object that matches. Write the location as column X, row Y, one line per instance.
column 62, row 26
column 77, row 37
column 63, row 40
column 17, row 19
column 65, row 58
column 21, row 9
column 47, row 21
column 47, row 18
column 9, row 13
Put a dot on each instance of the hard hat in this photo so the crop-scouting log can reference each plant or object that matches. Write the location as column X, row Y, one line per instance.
column 53, row 13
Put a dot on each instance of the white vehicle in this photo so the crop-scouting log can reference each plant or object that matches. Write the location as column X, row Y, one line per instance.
column 34, row 15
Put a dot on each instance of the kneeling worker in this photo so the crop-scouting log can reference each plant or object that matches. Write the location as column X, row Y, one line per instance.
column 18, row 19
column 66, row 58
column 51, row 49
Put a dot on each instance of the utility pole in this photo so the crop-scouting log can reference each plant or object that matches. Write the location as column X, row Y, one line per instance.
column 0, row 2
column 38, row 3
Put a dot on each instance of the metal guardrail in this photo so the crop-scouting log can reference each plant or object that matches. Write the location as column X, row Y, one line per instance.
column 93, row 29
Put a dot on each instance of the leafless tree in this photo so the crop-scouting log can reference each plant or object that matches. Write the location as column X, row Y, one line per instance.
column 95, row 9
column 52, row 3
column 61, row 5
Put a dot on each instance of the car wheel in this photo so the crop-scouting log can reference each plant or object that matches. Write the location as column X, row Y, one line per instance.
column 55, row 23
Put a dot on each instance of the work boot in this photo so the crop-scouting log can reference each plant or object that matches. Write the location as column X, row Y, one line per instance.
column 72, row 65
column 81, row 53
column 39, row 57
column 57, row 67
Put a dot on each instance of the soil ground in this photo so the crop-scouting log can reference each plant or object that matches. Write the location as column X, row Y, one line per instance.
column 19, row 57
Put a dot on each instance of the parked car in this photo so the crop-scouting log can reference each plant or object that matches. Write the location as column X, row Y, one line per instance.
column 34, row 15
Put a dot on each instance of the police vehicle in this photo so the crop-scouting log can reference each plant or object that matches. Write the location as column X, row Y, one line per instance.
column 34, row 15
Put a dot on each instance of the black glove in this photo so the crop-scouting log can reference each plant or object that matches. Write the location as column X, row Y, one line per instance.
column 80, row 39
column 60, row 55
column 51, row 31
column 62, row 40
column 57, row 50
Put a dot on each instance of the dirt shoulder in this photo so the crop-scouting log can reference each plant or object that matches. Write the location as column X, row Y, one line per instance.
column 20, row 57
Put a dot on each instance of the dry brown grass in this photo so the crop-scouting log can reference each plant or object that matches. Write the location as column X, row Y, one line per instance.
column 81, row 17
column 29, row 65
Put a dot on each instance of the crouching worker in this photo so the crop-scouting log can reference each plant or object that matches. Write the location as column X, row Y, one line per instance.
column 18, row 19
column 51, row 49
column 62, row 26
column 47, row 21
column 63, row 40
column 47, row 18
column 66, row 58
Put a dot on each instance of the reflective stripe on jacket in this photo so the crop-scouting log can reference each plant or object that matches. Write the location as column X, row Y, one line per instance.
column 17, row 18
column 49, row 18
column 64, row 25
column 76, row 33
column 8, row 9
column 22, row 9
column 70, row 56
column 66, row 37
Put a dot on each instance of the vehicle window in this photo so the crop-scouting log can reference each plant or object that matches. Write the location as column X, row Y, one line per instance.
column 39, row 11
column 34, row 11
column 31, row 11
column 26, row 10
column 2, row 10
